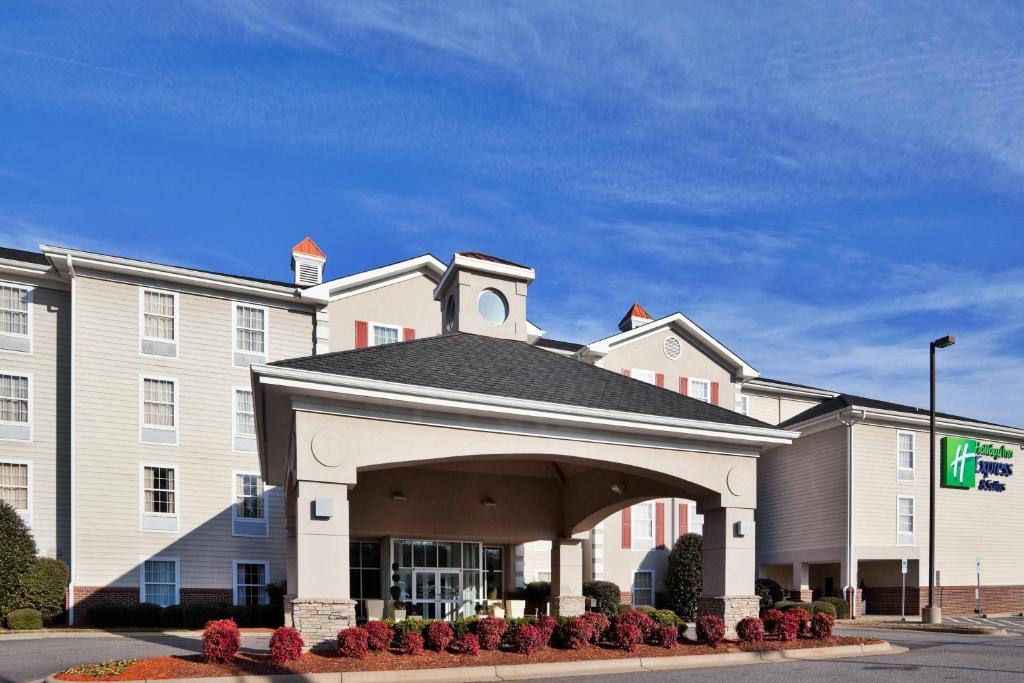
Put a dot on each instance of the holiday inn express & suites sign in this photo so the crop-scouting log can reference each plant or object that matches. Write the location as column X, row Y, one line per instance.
column 964, row 459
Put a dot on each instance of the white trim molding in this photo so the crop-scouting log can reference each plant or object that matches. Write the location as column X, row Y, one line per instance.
column 160, row 522
column 249, row 526
column 159, row 435
column 264, row 597
column 12, row 430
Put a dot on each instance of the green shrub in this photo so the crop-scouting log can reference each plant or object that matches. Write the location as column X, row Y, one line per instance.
column 410, row 626
column 462, row 626
column 841, row 605
column 144, row 615
column 605, row 593
column 666, row 617
column 684, row 576
column 196, row 616
column 508, row 638
column 25, row 619
column 823, row 607
column 538, row 591
column 108, row 615
column 770, row 593
column 242, row 615
column 171, row 617
column 45, row 587
column 17, row 555
column 783, row 605
column 622, row 607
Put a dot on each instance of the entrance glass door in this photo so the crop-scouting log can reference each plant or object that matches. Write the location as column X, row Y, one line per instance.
column 438, row 592
column 449, row 594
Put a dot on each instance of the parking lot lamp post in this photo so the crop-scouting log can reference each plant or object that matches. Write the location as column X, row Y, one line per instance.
column 931, row 613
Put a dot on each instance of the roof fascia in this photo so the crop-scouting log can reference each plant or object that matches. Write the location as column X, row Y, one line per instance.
column 370, row 279
column 896, row 418
column 465, row 262
column 766, row 387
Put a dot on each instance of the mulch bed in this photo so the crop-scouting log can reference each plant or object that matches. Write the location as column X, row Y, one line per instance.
column 259, row 664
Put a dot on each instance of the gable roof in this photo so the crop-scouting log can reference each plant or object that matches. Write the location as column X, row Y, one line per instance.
column 679, row 321
column 376, row 277
column 848, row 401
column 309, row 248
column 513, row 369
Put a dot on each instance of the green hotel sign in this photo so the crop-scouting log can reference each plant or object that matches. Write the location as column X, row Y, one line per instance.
column 964, row 459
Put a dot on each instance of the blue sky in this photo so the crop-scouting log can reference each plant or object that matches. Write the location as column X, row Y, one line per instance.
column 823, row 189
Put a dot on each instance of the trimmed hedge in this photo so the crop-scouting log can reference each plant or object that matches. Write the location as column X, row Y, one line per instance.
column 25, row 619
column 147, row 615
column 17, row 555
column 171, row 617
column 538, row 591
column 45, row 587
column 841, row 605
column 605, row 593
column 823, row 607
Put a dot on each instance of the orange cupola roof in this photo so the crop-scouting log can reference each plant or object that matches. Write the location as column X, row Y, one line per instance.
column 635, row 317
column 308, row 247
column 637, row 311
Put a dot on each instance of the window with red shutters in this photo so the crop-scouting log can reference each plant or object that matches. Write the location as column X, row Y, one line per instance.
column 659, row 524
column 714, row 393
column 684, row 386
column 361, row 334
column 627, row 528
column 409, row 334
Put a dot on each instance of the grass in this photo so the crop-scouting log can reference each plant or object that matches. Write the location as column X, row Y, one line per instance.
column 112, row 668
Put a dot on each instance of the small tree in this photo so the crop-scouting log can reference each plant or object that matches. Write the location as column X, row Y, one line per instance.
column 685, row 575
column 17, row 556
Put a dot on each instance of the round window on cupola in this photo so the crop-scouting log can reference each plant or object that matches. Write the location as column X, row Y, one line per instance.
column 449, row 314
column 672, row 348
column 492, row 306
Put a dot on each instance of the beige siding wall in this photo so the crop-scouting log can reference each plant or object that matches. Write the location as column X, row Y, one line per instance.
column 409, row 303
column 801, row 495
column 110, row 543
column 48, row 450
column 774, row 409
column 970, row 524
column 647, row 353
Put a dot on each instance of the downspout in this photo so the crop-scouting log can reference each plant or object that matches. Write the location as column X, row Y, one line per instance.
column 72, row 555
column 850, row 589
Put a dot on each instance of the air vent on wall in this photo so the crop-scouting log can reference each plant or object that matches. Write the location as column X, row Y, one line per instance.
column 673, row 349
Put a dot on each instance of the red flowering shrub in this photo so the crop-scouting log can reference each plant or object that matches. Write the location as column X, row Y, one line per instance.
column 285, row 645
column 772, row 621
column 665, row 636
column 710, row 630
column 787, row 627
column 439, row 635
column 528, row 639
column 468, row 644
column 627, row 636
column 802, row 617
column 411, row 643
column 490, row 630
column 599, row 622
column 379, row 635
column 640, row 620
column 577, row 632
column 547, row 626
column 221, row 640
column 353, row 642
column 821, row 626
column 750, row 630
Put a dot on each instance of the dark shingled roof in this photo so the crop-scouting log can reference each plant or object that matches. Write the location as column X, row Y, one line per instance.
column 513, row 369
column 22, row 255
column 846, row 400
column 572, row 347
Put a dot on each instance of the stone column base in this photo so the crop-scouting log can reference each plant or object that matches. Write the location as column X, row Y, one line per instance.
column 731, row 608
column 318, row 620
column 802, row 594
column 569, row 605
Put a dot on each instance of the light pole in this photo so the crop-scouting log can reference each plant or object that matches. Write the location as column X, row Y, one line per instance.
column 932, row 614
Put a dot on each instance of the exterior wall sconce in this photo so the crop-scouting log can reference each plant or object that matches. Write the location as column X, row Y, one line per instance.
column 323, row 508
column 619, row 487
column 489, row 502
column 398, row 497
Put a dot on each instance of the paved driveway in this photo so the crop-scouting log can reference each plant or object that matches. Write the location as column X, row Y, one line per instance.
column 25, row 658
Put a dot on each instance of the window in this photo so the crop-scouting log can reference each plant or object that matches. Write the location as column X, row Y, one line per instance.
column 905, row 520
column 249, row 502
column 905, row 456
column 364, row 560
column 158, row 490
column 744, row 405
column 159, row 311
column 16, row 487
column 494, row 569
column 643, row 375
column 159, row 583
column 386, row 334
column 14, row 310
column 251, row 578
column 643, row 588
column 643, row 526
column 14, row 399
column 492, row 306
column 245, row 417
column 158, row 407
column 250, row 329
column 700, row 389
column 449, row 314
column 543, row 576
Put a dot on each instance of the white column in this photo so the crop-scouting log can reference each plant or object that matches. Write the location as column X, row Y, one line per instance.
column 567, row 575
column 729, row 565
column 800, row 584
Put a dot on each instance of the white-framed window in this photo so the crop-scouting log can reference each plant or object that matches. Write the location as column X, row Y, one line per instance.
column 642, row 524
column 905, row 456
column 160, row 490
column 743, row 404
column 16, row 487
column 250, row 329
column 158, row 322
column 642, row 591
column 15, row 317
column 699, row 389
column 382, row 333
column 159, row 581
column 695, row 522
column 648, row 376
column 159, row 403
column 15, row 405
column 904, row 520
column 250, row 584
column 250, row 498
column 245, row 415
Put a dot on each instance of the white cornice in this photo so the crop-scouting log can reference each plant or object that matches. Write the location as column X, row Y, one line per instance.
column 459, row 262
column 766, row 386
column 895, row 418
column 503, row 407
column 602, row 347
column 372, row 279
column 176, row 274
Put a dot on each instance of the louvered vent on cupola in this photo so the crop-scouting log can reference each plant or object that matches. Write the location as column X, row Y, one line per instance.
column 309, row 274
column 308, row 263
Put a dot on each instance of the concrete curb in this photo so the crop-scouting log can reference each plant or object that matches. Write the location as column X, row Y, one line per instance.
column 932, row 628
column 512, row 672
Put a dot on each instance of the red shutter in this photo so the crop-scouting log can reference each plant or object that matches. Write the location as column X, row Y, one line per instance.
column 684, row 518
column 409, row 333
column 361, row 335
column 659, row 524
column 627, row 528
column 625, row 371
column 684, row 386
column 714, row 393
column 659, row 379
